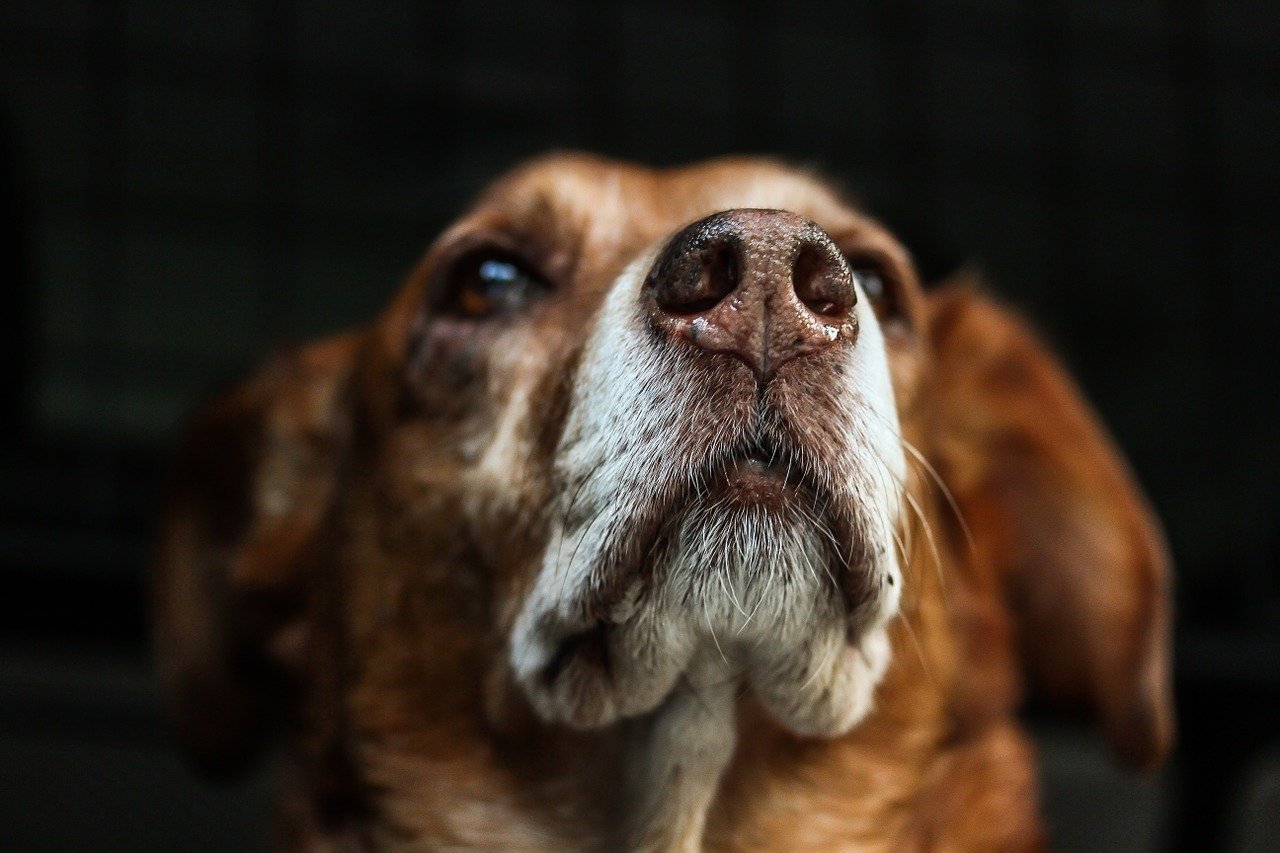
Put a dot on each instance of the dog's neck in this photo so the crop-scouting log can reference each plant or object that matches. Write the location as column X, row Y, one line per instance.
column 675, row 759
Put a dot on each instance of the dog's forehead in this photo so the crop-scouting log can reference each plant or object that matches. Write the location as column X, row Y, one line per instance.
column 602, row 202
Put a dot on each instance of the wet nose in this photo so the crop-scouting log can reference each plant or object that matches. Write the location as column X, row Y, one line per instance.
column 766, row 286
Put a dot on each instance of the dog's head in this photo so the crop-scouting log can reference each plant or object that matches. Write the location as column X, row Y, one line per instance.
column 622, row 420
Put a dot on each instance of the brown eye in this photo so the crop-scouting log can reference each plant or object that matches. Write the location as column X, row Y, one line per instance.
column 491, row 284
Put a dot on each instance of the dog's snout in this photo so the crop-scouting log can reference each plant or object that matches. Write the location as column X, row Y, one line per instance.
column 764, row 285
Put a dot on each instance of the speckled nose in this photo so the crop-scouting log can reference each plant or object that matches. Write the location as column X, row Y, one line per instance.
column 766, row 286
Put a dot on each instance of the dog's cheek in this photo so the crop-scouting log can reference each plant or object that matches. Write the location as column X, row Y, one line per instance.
column 448, row 372
column 509, row 452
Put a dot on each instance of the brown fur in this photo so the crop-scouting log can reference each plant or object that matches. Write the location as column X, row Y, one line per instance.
column 331, row 570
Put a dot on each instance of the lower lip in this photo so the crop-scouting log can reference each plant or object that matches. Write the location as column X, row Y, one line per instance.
column 753, row 466
column 753, row 482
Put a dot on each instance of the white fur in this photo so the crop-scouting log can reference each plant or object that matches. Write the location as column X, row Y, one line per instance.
column 749, row 591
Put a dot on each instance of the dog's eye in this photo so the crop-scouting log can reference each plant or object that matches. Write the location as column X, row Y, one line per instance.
column 879, row 290
column 491, row 284
column 871, row 283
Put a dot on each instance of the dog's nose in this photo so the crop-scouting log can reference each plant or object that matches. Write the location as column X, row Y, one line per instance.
column 764, row 285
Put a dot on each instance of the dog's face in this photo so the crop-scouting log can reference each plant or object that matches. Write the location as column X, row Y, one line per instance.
column 664, row 402
column 626, row 430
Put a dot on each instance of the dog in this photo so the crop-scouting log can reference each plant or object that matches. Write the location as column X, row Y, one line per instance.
column 661, row 510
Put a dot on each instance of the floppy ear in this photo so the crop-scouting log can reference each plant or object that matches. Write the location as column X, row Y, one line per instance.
column 251, row 483
column 1056, row 514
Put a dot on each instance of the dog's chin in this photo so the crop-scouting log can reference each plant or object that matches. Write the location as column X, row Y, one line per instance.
column 753, row 569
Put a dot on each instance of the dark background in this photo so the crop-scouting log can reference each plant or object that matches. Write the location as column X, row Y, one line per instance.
column 190, row 184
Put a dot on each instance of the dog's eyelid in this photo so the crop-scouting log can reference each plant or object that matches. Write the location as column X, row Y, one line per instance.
column 531, row 250
column 866, row 258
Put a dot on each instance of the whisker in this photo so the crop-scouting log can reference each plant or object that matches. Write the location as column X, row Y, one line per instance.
column 934, row 476
column 573, row 500
column 923, row 521
column 915, row 641
column 928, row 535
column 707, row 616
column 942, row 487
column 902, row 550
column 815, row 668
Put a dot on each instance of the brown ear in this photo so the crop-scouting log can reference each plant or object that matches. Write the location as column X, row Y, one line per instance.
column 1056, row 514
column 251, row 483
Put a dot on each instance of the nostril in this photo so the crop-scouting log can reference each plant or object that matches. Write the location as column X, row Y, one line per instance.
column 717, row 279
column 823, row 283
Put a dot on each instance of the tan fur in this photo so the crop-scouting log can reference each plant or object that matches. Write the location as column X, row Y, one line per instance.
column 354, row 532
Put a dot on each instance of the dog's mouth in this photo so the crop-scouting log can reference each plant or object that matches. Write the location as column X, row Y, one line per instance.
column 755, row 556
column 769, row 481
column 761, row 487
column 757, row 548
column 760, row 475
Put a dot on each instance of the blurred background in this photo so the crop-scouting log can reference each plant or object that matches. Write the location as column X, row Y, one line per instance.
column 191, row 184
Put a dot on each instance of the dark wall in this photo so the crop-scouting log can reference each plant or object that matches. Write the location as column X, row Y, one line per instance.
column 194, row 183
